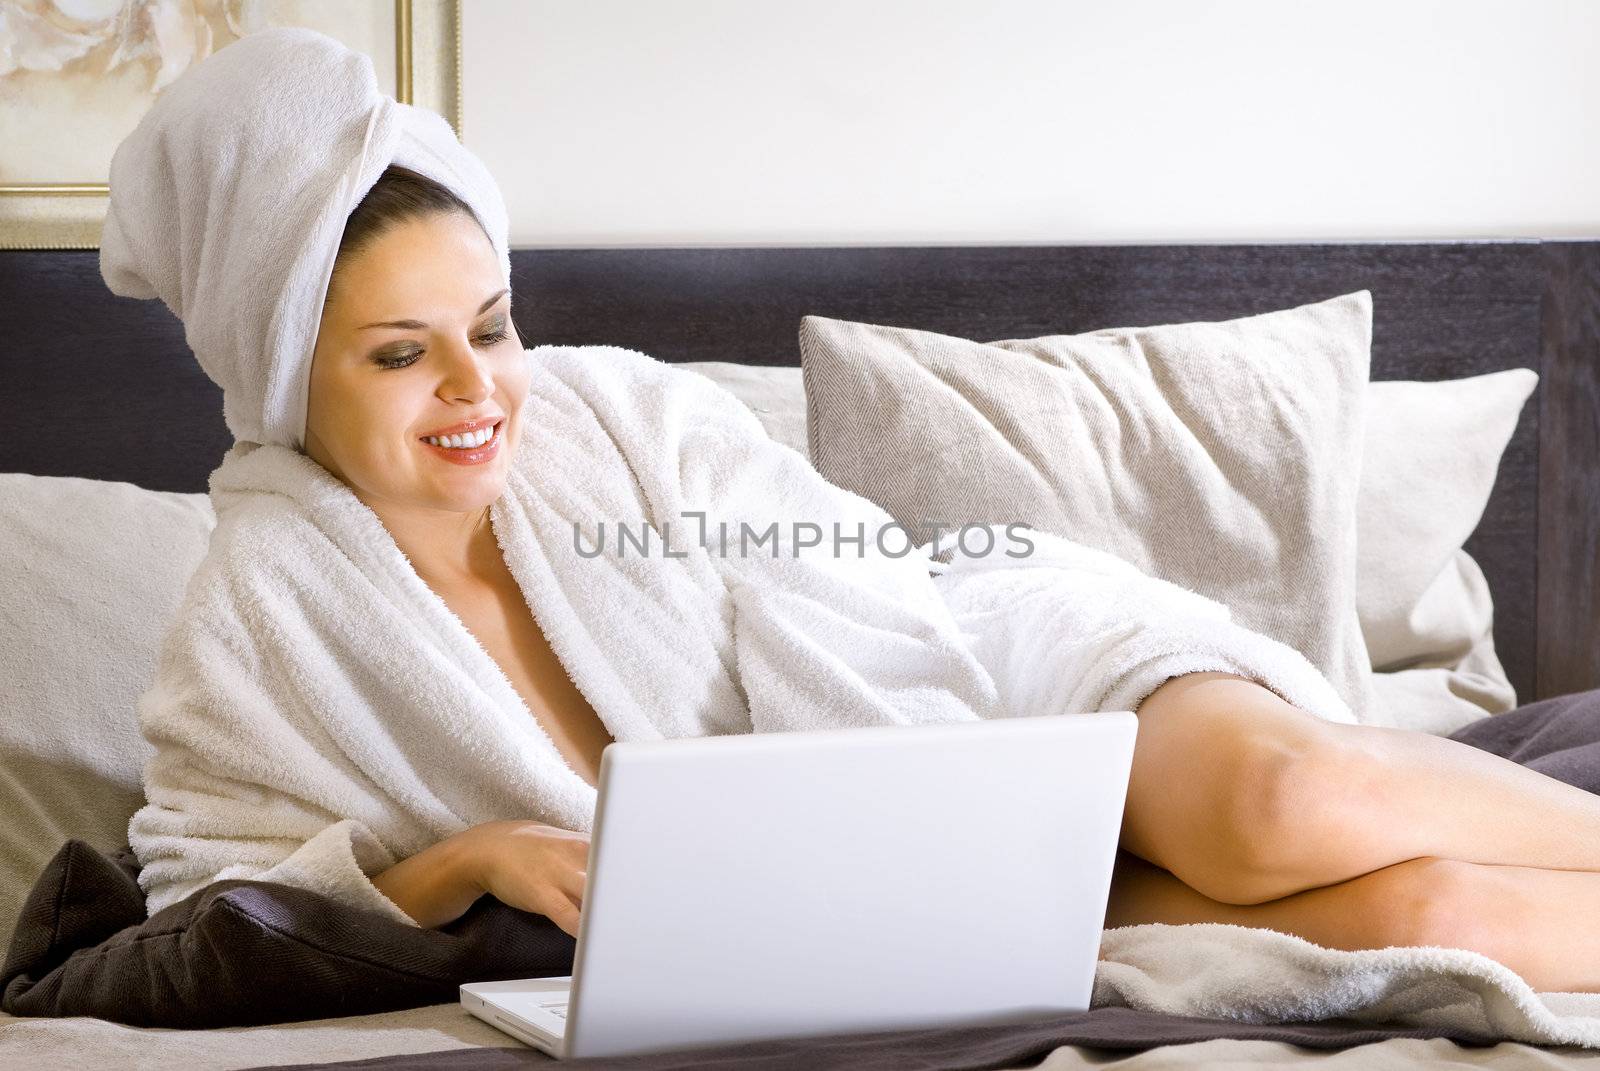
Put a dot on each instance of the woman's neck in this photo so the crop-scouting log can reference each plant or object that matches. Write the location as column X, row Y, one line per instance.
column 446, row 548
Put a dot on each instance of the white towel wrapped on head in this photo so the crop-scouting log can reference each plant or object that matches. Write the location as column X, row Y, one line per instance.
column 229, row 198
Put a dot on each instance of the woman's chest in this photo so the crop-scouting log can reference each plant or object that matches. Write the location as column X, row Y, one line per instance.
column 499, row 618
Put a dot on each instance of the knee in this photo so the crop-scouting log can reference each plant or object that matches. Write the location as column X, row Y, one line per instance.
column 1446, row 903
column 1306, row 786
column 1303, row 791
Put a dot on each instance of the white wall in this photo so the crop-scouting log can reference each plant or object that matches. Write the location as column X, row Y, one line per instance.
column 798, row 122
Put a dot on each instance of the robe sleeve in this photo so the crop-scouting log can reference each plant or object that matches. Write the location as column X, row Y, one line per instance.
column 1072, row 629
column 837, row 621
column 229, row 786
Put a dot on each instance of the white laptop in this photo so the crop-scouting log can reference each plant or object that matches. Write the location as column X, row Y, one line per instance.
column 835, row 881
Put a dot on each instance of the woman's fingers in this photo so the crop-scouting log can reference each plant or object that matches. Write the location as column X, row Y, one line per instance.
column 566, row 899
column 562, row 911
column 543, row 869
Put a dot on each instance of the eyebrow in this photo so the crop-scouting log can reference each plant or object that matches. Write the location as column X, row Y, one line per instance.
column 417, row 325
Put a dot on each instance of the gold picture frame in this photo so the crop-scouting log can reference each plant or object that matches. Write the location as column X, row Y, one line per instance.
column 427, row 64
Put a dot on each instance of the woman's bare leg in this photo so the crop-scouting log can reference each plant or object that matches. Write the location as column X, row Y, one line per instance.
column 1247, row 798
column 1543, row 924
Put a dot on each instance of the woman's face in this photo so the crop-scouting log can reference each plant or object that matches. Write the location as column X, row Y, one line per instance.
column 417, row 337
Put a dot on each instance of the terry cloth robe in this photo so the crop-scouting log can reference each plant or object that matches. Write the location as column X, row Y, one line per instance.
column 319, row 713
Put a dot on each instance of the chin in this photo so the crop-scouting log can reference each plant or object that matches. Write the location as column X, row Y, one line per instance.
column 473, row 492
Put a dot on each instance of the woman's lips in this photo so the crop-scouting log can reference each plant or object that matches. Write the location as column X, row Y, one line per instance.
column 477, row 455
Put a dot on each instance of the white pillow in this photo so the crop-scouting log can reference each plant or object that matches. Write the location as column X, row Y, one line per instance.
column 93, row 572
column 1432, row 453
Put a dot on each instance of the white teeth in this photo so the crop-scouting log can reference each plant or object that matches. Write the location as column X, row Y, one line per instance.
column 464, row 441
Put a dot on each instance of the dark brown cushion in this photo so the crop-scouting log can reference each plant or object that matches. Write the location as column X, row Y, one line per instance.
column 239, row 953
column 1559, row 737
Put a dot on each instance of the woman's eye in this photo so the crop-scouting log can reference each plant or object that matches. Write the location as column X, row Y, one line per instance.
column 400, row 360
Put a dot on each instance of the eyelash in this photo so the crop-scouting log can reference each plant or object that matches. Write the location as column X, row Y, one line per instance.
column 491, row 339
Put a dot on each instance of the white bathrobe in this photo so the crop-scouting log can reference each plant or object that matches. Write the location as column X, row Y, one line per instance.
column 319, row 713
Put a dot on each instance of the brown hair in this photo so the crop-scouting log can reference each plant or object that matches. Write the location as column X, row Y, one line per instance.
column 399, row 194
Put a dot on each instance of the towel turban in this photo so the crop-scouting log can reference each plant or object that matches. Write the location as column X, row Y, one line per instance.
column 229, row 199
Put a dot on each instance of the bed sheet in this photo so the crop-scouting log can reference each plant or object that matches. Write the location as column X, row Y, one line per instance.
column 87, row 1044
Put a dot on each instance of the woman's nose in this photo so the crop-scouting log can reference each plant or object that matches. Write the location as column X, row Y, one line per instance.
column 470, row 372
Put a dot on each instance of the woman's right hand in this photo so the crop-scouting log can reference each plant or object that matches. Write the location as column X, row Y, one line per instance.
column 532, row 867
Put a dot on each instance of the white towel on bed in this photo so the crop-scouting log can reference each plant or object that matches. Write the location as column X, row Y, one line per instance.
column 1263, row 976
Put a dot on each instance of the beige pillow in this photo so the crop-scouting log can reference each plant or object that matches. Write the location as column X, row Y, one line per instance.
column 93, row 572
column 1223, row 456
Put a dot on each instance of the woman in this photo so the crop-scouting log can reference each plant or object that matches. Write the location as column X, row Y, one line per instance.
column 1242, row 806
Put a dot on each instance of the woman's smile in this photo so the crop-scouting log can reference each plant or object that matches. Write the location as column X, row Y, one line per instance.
column 469, row 450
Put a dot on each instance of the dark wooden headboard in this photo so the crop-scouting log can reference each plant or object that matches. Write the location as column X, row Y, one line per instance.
column 104, row 387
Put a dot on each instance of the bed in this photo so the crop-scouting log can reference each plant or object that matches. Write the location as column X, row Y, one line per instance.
column 112, row 369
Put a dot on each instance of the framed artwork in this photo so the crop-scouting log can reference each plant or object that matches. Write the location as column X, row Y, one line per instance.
column 77, row 75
